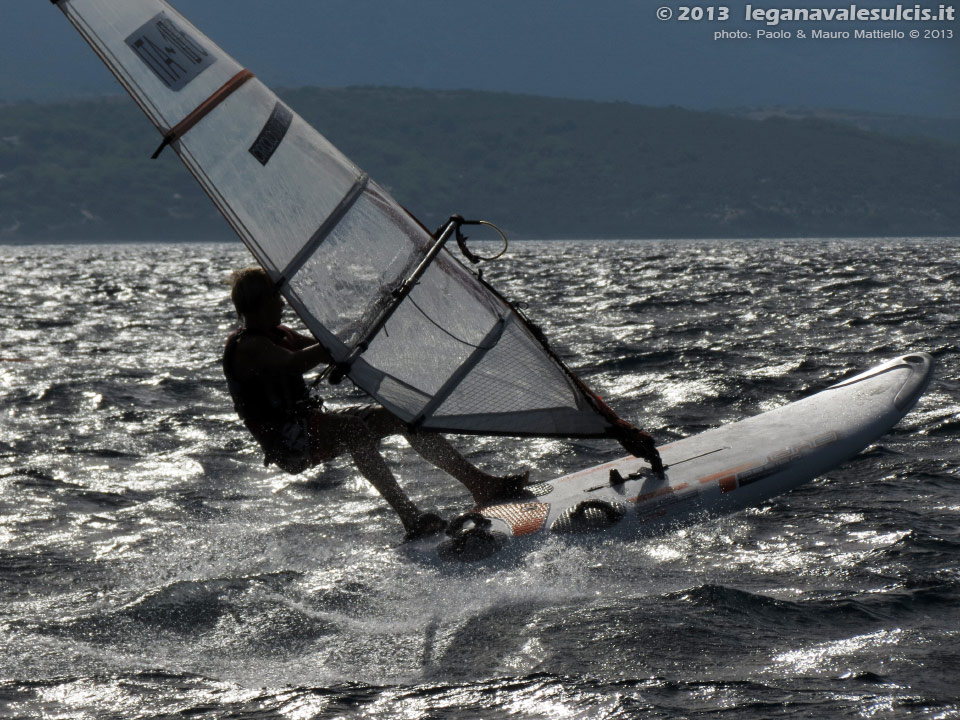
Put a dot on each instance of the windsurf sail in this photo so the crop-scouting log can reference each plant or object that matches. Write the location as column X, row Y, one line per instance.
column 409, row 324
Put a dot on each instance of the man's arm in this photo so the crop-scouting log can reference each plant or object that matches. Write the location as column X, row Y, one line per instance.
column 303, row 341
column 257, row 354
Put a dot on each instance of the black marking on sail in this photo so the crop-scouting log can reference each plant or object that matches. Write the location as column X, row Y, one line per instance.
column 272, row 134
column 173, row 56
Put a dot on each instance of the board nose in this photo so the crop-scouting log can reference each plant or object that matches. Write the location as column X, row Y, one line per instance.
column 921, row 372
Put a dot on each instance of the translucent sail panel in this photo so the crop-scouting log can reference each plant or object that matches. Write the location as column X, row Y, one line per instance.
column 517, row 388
column 455, row 357
column 277, row 193
column 166, row 64
column 273, row 176
column 434, row 332
column 350, row 276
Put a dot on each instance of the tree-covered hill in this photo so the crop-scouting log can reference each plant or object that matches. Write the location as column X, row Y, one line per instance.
column 539, row 167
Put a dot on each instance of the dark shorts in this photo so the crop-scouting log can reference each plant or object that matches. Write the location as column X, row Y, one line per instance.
column 323, row 430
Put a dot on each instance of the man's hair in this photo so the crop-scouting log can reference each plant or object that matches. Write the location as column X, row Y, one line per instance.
column 250, row 288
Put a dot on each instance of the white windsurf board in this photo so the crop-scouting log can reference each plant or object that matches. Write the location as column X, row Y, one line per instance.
column 716, row 472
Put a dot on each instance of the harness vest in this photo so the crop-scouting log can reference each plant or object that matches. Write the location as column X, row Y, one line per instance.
column 273, row 405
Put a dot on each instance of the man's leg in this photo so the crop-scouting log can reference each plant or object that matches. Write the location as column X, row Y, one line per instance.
column 351, row 434
column 484, row 487
column 435, row 449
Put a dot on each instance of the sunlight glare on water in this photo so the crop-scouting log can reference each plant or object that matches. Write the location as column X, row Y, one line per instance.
column 150, row 564
column 831, row 657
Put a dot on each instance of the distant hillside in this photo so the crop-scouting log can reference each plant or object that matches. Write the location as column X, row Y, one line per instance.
column 947, row 129
column 539, row 167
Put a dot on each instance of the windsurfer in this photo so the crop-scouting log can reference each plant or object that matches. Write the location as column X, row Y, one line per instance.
column 264, row 363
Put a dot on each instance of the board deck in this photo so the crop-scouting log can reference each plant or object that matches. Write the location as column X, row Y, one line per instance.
column 719, row 471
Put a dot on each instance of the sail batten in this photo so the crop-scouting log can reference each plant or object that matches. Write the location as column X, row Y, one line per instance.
column 421, row 334
column 325, row 229
column 488, row 343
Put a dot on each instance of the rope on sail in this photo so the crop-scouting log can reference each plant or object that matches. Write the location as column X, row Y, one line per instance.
column 202, row 110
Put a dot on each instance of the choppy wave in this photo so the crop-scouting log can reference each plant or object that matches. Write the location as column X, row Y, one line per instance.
column 151, row 566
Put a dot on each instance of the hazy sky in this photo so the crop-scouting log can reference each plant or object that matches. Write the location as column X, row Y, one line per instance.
column 593, row 49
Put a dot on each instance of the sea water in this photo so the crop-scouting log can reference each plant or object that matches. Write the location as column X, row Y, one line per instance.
column 150, row 566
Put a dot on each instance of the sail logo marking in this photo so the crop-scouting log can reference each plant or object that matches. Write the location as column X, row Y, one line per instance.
column 272, row 133
column 170, row 53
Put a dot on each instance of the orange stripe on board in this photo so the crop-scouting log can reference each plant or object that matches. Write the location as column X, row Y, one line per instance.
column 728, row 483
column 658, row 493
column 724, row 473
